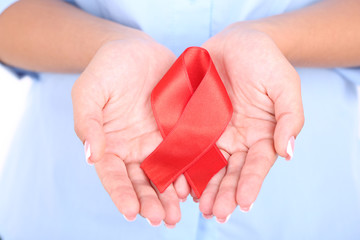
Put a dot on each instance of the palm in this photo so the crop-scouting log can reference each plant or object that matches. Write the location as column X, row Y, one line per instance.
column 121, row 79
column 129, row 125
column 253, row 75
column 253, row 118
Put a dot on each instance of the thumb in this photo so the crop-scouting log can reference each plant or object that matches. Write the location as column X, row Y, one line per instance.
column 88, row 102
column 289, row 114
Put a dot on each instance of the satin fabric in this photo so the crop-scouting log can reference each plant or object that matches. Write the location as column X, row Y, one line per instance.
column 192, row 109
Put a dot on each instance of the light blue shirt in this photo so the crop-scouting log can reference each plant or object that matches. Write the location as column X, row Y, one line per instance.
column 48, row 191
column 5, row 4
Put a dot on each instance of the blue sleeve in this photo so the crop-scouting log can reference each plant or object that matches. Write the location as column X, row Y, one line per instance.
column 350, row 74
column 71, row 2
column 4, row 4
column 18, row 72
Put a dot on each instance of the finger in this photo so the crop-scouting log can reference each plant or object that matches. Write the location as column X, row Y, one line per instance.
column 88, row 102
column 207, row 198
column 289, row 114
column 150, row 205
column 260, row 158
column 225, row 201
column 170, row 203
column 113, row 175
column 193, row 195
column 182, row 188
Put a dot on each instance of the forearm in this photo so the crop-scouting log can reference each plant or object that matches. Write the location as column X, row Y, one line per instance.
column 326, row 34
column 49, row 35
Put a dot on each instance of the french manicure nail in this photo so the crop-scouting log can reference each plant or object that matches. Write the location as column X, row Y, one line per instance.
column 290, row 148
column 170, row 226
column 223, row 220
column 207, row 216
column 87, row 152
column 183, row 199
column 245, row 210
column 153, row 224
column 130, row 219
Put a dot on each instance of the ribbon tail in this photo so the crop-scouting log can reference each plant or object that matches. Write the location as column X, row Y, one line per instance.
column 198, row 175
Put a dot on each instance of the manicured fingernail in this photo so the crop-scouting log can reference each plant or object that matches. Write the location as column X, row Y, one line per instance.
column 196, row 200
column 153, row 224
column 87, row 150
column 170, row 226
column 246, row 209
column 183, row 199
column 130, row 219
column 207, row 216
column 290, row 148
column 223, row 220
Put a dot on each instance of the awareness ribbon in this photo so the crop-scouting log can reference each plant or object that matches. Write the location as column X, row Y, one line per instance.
column 192, row 109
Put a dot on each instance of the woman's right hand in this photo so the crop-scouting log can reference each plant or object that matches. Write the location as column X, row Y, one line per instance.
column 113, row 118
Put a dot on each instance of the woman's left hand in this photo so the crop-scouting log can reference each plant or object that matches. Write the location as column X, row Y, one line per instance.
column 265, row 92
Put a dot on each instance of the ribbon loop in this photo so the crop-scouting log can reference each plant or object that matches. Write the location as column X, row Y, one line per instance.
column 192, row 109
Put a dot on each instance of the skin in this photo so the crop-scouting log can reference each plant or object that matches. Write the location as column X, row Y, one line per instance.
column 119, row 113
column 111, row 97
column 265, row 116
column 266, row 91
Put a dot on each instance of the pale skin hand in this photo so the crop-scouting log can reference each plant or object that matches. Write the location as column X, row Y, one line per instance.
column 265, row 92
column 67, row 42
column 253, row 59
column 112, row 112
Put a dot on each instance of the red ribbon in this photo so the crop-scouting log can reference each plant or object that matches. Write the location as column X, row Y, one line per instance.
column 192, row 109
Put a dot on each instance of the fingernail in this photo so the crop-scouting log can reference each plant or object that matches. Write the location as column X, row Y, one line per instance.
column 129, row 219
column 223, row 220
column 290, row 148
column 153, row 224
column 207, row 216
column 170, row 226
column 87, row 153
column 196, row 200
column 245, row 210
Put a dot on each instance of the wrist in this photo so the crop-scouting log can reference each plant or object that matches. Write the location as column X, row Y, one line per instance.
column 117, row 34
column 267, row 29
column 117, row 39
column 139, row 44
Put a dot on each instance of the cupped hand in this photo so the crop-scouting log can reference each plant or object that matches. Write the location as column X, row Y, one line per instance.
column 265, row 92
column 113, row 116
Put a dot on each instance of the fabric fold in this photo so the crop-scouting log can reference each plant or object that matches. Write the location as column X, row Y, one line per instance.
column 192, row 109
